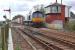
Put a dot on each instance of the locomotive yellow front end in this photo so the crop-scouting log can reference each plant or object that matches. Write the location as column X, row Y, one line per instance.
column 37, row 20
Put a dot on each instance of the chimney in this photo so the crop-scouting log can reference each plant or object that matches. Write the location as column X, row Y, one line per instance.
column 56, row 1
column 61, row 2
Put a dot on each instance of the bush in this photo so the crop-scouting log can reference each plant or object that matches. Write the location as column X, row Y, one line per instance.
column 70, row 26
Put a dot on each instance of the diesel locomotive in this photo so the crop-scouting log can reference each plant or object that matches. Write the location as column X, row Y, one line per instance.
column 37, row 19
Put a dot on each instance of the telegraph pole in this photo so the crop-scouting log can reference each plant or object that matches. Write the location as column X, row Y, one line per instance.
column 61, row 2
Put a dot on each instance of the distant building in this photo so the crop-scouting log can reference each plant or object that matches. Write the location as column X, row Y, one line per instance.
column 72, row 18
column 56, row 15
column 28, row 20
column 18, row 19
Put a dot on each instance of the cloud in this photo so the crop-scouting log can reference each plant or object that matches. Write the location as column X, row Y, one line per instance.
column 21, row 7
column 24, row 6
column 71, row 3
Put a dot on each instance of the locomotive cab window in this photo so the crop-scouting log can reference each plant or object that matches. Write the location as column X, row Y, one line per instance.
column 37, row 14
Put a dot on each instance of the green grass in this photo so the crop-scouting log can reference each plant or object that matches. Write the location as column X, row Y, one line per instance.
column 4, row 32
column 18, row 47
column 0, row 40
column 0, row 48
column 70, row 26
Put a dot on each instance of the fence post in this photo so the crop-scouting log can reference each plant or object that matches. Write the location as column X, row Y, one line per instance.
column 4, row 33
column 3, row 41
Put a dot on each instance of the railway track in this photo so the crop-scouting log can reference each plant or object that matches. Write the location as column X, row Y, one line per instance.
column 68, row 42
column 19, row 42
column 70, row 37
column 57, row 43
column 72, row 41
column 46, row 45
column 43, row 45
column 32, row 42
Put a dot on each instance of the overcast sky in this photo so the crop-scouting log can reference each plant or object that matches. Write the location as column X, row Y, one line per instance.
column 24, row 6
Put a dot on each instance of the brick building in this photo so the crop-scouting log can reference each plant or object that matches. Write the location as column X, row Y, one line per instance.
column 56, row 15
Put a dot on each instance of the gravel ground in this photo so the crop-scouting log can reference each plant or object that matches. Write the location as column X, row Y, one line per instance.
column 69, row 36
column 19, row 42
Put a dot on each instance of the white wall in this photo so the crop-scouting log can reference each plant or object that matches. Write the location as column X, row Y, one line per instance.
column 26, row 18
column 67, row 11
column 57, row 24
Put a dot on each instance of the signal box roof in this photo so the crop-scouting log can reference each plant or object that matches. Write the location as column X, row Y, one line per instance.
column 55, row 4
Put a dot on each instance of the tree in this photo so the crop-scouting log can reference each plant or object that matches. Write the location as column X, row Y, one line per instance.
column 5, row 17
column 42, row 8
column 72, row 15
column 39, row 8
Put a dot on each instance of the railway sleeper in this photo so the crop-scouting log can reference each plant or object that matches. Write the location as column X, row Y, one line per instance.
column 64, row 42
column 48, row 45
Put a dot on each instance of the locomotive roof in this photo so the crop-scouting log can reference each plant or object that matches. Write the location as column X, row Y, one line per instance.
column 37, row 12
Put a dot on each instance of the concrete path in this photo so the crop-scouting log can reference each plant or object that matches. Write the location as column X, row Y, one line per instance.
column 10, row 42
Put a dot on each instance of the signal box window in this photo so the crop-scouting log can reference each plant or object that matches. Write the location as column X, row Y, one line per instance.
column 55, row 9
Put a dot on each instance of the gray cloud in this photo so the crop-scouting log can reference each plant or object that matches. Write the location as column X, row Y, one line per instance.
column 19, row 7
column 69, row 3
column 26, row 5
column 27, row 0
column 72, row 4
